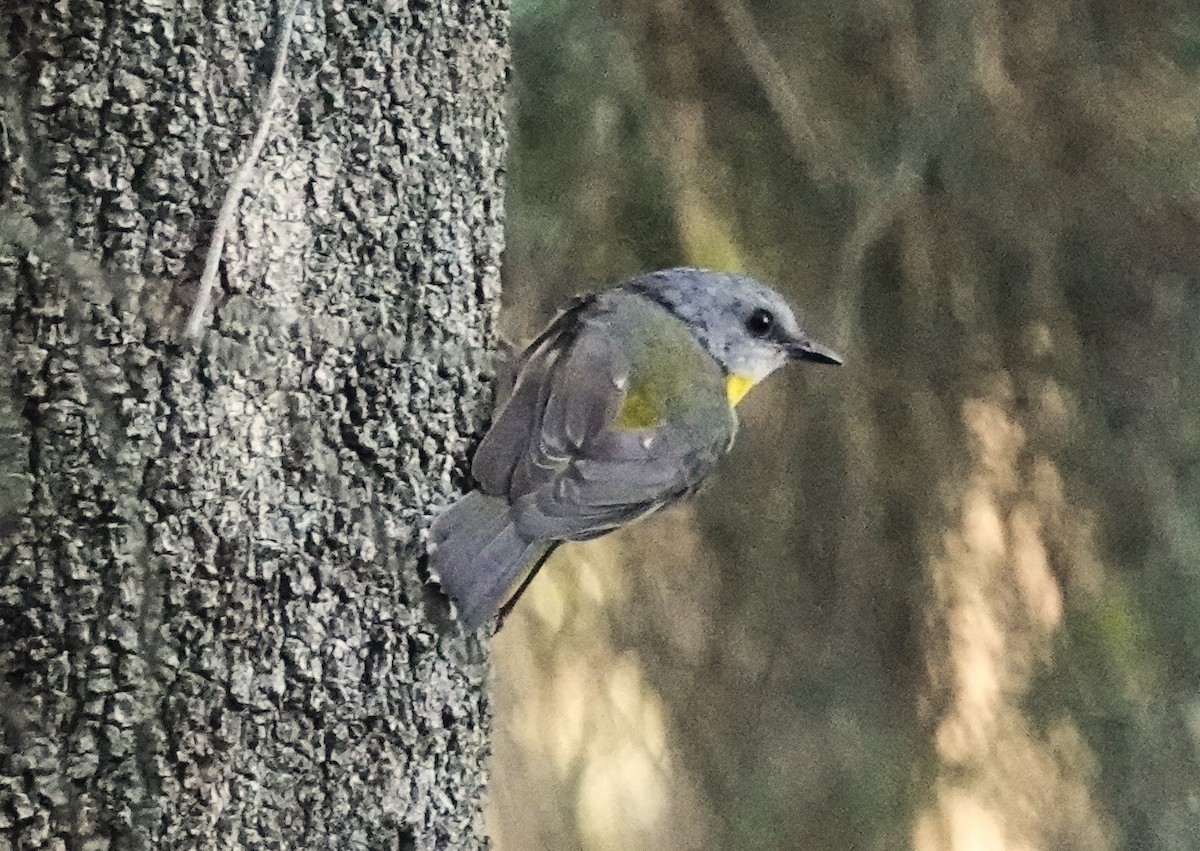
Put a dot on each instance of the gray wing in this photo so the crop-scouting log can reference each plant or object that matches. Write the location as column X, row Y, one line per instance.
column 566, row 470
column 510, row 440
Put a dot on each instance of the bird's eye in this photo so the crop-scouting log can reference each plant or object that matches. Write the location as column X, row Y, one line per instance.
column 760, row 323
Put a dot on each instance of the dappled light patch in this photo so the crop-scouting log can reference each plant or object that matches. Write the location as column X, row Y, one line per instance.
column 581, row 709
column 1000, row 607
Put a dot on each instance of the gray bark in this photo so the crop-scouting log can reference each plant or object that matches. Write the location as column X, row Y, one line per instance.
column 214, row 627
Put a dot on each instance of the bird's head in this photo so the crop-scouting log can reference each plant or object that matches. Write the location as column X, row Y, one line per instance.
column 749, row 328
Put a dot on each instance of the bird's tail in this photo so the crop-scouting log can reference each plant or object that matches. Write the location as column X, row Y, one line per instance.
column 476, row 554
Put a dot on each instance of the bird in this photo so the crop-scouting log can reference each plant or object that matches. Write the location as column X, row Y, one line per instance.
column 623, row 405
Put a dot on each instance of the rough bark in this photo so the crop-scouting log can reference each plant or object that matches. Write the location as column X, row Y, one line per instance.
column 214, row 626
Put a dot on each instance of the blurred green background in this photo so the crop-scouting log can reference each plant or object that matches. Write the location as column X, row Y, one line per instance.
column 948, row 595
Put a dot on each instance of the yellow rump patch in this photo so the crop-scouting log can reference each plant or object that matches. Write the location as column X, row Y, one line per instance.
column 637, row 411
column 737, row 386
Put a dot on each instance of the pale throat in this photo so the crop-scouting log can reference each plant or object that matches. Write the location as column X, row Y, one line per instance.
column 747, row 369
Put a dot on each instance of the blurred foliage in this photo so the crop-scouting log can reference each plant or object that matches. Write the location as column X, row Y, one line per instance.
column 948, row 595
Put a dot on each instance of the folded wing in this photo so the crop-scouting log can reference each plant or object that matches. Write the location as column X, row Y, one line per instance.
column 555, row 452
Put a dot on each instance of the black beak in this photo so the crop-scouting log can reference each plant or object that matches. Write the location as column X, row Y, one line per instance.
column 808, row 350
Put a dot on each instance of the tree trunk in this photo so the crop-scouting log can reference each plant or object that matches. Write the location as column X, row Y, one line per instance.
column 215, row 630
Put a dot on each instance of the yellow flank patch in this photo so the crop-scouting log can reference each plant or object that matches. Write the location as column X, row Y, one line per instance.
column 637, row 410
column 736, row 387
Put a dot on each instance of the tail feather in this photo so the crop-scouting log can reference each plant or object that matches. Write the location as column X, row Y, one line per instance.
column 477, row 554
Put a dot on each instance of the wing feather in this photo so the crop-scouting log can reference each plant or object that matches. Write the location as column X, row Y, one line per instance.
column 507, row 442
